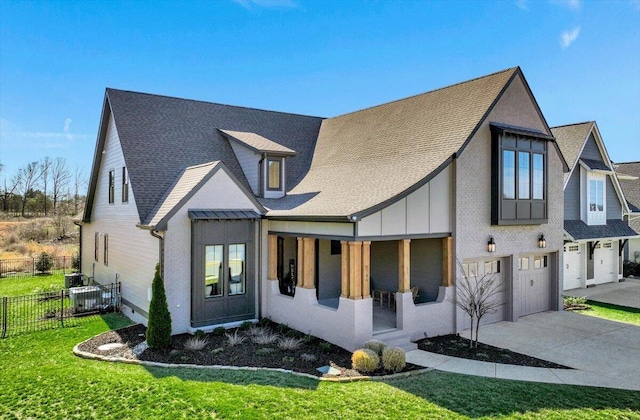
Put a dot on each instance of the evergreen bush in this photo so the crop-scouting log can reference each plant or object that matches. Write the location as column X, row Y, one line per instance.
column 159, row 325
column 44, row 263
column 376, row 346
column 75, row 262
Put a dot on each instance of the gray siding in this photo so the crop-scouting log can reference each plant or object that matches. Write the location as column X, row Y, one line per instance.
column 614, row 208
column 426, row 268
column 249, row 161
column 572, row 196
column 591, row 150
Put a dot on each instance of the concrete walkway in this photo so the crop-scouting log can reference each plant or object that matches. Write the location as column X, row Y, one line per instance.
column 603, row 353
column 626, row 293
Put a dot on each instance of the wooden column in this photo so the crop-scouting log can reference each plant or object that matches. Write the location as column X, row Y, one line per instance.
column 366, row 269
column 300, row 262
column 404, row 265
column 355, row 270
column 272, row 273
column 448, row 269
column 345, row 269
column 309, row 263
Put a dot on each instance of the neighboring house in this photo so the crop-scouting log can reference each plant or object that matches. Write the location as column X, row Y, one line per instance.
column 312, row 222
column 594, row 208
column 629, row 175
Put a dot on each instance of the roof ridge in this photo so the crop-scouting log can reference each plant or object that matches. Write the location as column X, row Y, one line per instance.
column 427, row 92
column 210, row 103
column 569, row 125
column 624, row 163
column 213, row 163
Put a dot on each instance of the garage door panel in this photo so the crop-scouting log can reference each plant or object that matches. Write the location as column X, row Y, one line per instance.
column 535, row 284
column 605, row 268
column 489, row 268
column 573, row 267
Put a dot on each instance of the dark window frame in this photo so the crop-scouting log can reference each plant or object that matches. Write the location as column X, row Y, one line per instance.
column 516, row 210
column 280, row 162
column 96, row 246
column 112, row 186
column 125, row 185
column 106, row 249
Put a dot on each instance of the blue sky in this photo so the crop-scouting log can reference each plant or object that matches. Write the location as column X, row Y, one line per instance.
column 325, row 58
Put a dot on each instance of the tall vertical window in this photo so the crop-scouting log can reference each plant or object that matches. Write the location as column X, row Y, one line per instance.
column 538, row 176
column 106, row 249
column 274, row 178
column 237, row 275
column 213, row 270
column 596, row 195
column 112, row 186
column 523, row 175
column 96, row 246
column 125, row 185
column 509, row 174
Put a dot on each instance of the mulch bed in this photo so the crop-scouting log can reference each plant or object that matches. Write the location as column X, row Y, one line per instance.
column 312, row 353
column 456, row 346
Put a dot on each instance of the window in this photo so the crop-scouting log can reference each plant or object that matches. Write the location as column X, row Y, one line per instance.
column 125, row 185
column 518, row 176
column 596, row 195
column 523, row 263
column 237, row 275
column 606, row 245
column 492, row 267
column 540, row 261
column 106, row 249
column 96, row 247
column 274, row 174
column 470, row 269
column 213, row 270
column 112, row 186
column 573, row 248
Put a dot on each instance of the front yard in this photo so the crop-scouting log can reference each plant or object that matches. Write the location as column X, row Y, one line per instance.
column 41, row 378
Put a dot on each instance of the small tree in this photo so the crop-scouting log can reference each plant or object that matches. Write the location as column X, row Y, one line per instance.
column 44, row 263
column 75, row 262
column 477, row 296
column 159, row 325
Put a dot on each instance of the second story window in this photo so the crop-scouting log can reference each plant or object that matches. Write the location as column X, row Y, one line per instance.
column 112, row 186
column 125, row 185
column 274, row 174
column 596, row 196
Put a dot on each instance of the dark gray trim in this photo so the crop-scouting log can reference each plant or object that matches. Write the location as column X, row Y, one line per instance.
column 280, row 161
column 337, row 219
column 97, row 157
column 398, row 237
column 321, row 236
column 209, row 214
column 521, row 131
column 136, row 308
column 522, row 222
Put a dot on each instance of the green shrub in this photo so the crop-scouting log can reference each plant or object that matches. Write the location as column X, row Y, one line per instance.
column 44, row 263
column 264, row 351
column 246, row 325
column 199, row 334
column 365, row 360
column 325, row 347
column 218, row 331
column 75, row 262
column 282, row 328
column 393, row 359
column 159, row 326
column 376, row 346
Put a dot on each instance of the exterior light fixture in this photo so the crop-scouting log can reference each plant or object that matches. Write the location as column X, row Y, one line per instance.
column 542, row 243
column 491, row 245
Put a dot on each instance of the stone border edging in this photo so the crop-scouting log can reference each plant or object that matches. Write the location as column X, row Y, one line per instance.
column 93, row 356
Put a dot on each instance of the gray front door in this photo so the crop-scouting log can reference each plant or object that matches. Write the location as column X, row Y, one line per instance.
column 223, row 271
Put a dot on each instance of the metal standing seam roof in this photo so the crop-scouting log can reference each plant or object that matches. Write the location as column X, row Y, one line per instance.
column 579, row 230
column 258, row 143
column 571, row 139
column 223, row 214
column 595, row 165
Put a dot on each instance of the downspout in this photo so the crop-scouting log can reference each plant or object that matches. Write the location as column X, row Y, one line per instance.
column 79, row 224
column 154, row 233
column 261, row 175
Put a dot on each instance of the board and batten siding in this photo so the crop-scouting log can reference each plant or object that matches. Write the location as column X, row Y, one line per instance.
column 424, row 211
column 297, row 228
column 572, row 196
column 220, row 192
column 133, row 253
column 590, row 150
column 614, row 207
column 250, row 163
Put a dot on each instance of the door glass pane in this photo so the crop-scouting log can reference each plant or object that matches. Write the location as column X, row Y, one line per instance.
column 538, row 177
column 509, row 174
column 523, row 175
column 237, row 269
column 213, row 263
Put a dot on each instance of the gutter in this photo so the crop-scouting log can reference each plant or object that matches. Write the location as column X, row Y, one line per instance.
column 152, row 230
column 79, row 224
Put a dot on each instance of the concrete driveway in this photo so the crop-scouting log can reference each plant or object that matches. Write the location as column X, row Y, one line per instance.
column 604, row 353
column 626, row 293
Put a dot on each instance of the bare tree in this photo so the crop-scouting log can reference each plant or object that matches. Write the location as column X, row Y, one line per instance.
column 60, row 177
column 477, row 297
column 45, row 168
column 25, row 180
column 79, row 182
column 7, row 192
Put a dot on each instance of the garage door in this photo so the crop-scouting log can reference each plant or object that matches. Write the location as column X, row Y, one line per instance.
column 534, row 277
column 605, row 263
column 493, row 269
column 572, row 266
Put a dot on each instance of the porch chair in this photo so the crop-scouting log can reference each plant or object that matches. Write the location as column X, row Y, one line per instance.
column 414, row 293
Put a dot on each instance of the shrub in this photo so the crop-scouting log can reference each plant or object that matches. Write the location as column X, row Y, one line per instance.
column 199, row 334
column 289, row 343
column 631, row 268
column 282, row 328
column 235, row 338
column 264, row 351
column 393, row 359
column 365, row 360
column 159, row 325
column 195, row 343
column 218, row 331
column 376, row 345
column 292, row 333
column 75, row 262
column 44, row 263
column 264, row 322
column 325, row 347
column 307, row 357
column 246, row 325
column 265, row 337
column 255, row 330
column 217, row 350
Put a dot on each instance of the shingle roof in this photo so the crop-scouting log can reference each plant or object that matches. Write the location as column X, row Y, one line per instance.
column 161, row 136
column 614, row 228
column 571, row 139
column 258, row 143
column 367, row 157
column 630, row 187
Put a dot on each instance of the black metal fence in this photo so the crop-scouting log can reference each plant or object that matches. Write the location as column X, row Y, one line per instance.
column 27, row 267
column 64, row 308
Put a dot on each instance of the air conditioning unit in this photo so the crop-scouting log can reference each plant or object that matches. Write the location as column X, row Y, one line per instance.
column 72, row 280
column 85, row 299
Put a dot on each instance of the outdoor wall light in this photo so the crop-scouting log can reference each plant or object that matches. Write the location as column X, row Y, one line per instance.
column 491, row 245
column 542, row 243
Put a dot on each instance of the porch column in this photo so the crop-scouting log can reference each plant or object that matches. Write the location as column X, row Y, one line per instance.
column 344, row 269
column 448, row 271
column 404, row 265
column 366, row 269
column 309, row 270
column 300, row 262
column 355, row 270
column 273, row 258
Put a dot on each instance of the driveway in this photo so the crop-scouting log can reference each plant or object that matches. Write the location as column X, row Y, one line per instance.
column 626, row 293
column 604, row 353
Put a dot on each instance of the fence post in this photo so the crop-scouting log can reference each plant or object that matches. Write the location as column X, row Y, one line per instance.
column 1, row 266
column 64, row 264
column 4, row 316
column 33, row 266
column 62, row 307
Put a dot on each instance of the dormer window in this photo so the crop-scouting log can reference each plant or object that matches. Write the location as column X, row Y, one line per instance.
column 274, row 174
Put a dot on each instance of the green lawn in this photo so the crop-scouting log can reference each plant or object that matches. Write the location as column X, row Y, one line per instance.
column 10, row 286
column 613, row 312
column 41, row 378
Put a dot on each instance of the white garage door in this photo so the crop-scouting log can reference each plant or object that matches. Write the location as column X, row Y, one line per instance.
column 573, row 266
column 605, row 263
column 534, row 277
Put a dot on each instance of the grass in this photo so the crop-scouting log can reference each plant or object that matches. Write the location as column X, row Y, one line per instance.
column 612, row 312
column 11, row 286
column 41, row 378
